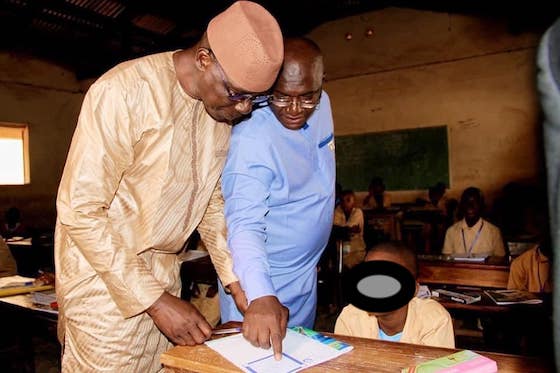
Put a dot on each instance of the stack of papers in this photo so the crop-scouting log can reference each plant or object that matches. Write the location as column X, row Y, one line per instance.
column 302, row 348
column 44, row 297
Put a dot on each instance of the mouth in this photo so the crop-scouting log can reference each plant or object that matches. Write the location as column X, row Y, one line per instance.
column 293, row 120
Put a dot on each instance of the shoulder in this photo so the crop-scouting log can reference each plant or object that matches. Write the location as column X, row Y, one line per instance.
column 127, row 75
column 429, row 309
column 455, row 227
column 323, row 113
column 491, row 227
column 526, row 257
column 257, row 126
column 357, row 211
column 351, row 312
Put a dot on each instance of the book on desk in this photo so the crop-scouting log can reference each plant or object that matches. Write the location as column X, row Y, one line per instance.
column 457, row 295
column 511, row 296
column 462, row 361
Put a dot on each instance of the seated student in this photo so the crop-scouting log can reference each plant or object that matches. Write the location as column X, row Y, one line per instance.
column 346, row 215
column 421, row 321
column 376, row 198
column 434, row 215
column 473, row 236
column 7, row 262
column 13, row 227
column 531, row 270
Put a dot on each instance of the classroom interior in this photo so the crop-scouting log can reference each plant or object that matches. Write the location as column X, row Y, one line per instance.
column 388, row 69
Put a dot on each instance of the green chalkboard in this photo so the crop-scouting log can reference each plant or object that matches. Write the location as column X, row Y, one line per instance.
column 409, row 159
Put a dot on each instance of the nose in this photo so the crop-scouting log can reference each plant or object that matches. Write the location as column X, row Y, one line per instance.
column 244, row 107
column 295, row 105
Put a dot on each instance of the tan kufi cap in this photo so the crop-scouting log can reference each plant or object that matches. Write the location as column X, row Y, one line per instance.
column 247, row 42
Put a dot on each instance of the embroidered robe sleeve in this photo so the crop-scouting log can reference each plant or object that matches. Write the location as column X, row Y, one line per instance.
column 101, row 151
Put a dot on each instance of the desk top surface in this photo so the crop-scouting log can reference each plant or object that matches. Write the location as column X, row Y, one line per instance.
column 491, row 262
column 368, row 355
column 24, row 300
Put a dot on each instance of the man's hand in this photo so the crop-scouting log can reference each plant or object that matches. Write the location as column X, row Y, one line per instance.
column 180, row 321
column 265, row 323
column 238, row 296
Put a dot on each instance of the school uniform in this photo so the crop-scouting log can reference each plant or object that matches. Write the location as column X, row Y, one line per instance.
column 357, row 250
column 483, row 238
column 427, row 323
column 531, row 272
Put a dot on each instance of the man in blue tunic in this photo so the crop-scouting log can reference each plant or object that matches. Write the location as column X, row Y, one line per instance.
column 278, row 185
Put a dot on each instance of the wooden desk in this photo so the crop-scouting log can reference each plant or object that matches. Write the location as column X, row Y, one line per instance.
column 31, row 255
column 21, row 321
column 385, row 221
column 493, row 273
column 367, row 356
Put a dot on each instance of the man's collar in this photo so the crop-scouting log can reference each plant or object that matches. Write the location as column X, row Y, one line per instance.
column 464, row 224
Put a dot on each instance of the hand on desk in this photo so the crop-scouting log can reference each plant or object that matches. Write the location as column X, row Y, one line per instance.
column 238, row 296
column 180, row 321
column 265, row 322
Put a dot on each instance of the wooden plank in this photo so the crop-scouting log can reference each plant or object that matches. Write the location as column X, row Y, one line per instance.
column 466, row 274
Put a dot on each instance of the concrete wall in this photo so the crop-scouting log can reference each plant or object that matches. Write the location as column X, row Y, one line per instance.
column 48, row 98
column 424, row 69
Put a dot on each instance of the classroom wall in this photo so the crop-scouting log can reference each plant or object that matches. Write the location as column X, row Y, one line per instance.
column 418, row 69
column 47, row 97
column 424, row 68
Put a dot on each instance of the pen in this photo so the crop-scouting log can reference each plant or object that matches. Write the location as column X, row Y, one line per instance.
column 16, row 284
column 226, row 331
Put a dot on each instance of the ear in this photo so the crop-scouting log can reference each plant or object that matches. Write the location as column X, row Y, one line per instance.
column 202, row 59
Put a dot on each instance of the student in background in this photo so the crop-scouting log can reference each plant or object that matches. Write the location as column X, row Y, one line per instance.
column 7, row 262
column 531, row 270
column 436, row 214
column 376, row 198
column 13, row 227
column 421, row 321
column 473, row 235
column 351, row 217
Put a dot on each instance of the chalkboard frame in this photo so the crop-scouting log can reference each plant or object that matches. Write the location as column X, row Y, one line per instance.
column 406, row 159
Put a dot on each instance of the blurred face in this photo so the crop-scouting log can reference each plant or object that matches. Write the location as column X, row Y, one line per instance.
column 471, row 208
column 296, row 93
column 390, row 257
column 348, row 203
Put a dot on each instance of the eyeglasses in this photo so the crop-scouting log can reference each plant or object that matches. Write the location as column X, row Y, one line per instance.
column 232, row 94
column 308, row 101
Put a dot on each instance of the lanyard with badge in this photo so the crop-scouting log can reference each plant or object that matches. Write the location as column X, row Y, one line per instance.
column 474, row 241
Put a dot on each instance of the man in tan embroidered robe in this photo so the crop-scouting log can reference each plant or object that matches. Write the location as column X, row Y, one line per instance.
column 142, row 173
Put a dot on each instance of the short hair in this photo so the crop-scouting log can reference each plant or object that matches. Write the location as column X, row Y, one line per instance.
column 474, row 193
column 400, row 249
column 347, row 192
